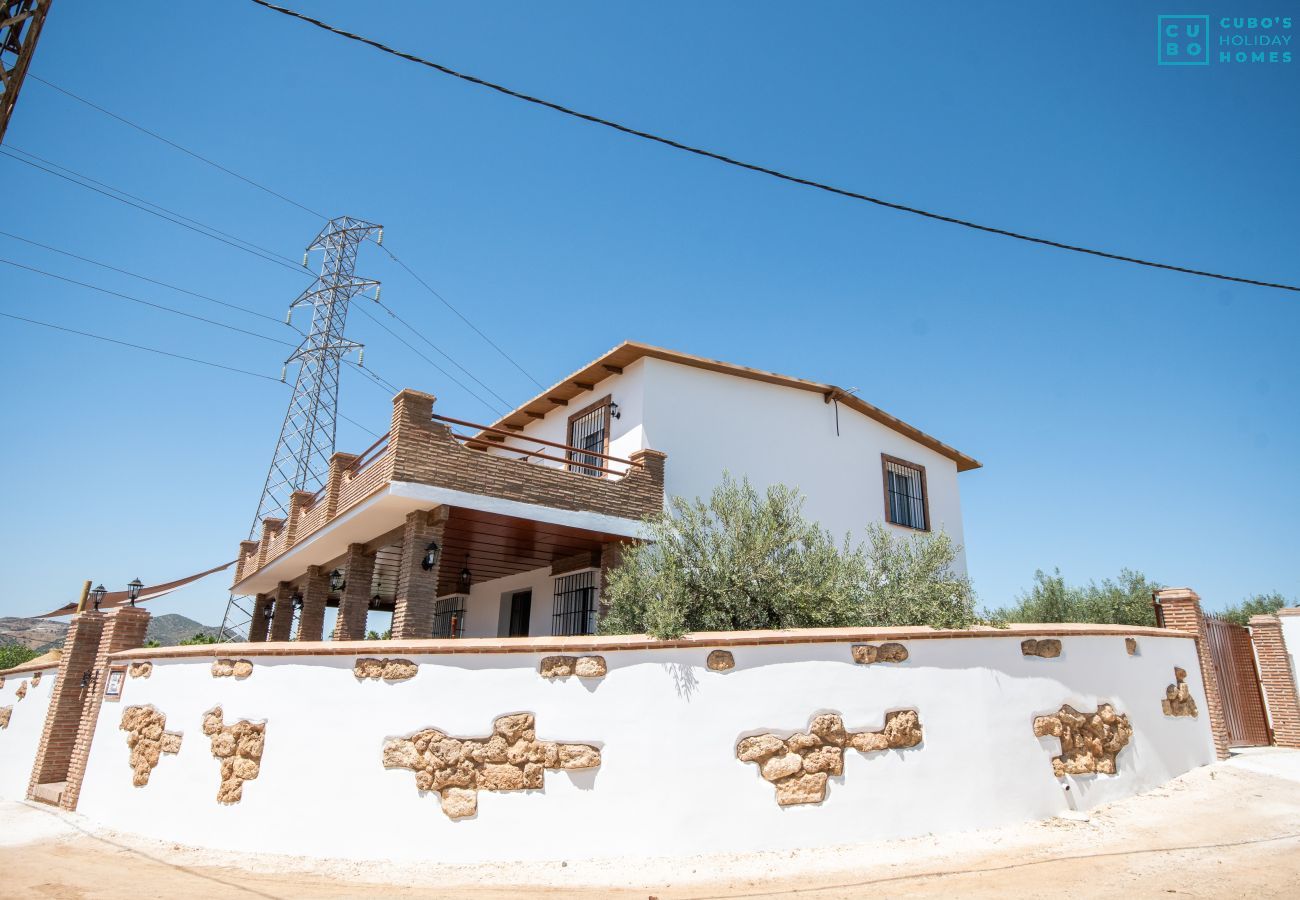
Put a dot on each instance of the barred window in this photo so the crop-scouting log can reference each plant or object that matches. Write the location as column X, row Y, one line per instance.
column 449, row 617
column 906, row 502
column 589, row 431
column 575, row 604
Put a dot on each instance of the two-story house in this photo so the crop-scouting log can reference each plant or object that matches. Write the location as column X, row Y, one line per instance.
column 462, row 529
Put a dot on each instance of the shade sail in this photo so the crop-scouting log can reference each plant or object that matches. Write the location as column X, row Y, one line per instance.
column 150, row 592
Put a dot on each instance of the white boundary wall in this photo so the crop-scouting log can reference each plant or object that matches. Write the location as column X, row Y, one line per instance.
column 669, row 783
column 20, row 741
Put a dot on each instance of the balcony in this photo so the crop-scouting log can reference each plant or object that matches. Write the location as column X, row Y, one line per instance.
column 514, row 506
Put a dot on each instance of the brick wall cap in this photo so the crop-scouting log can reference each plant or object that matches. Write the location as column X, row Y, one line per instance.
column 33, row 666
column 609, row 643
column 647, row 453
column 1263, row 620
column 409, row 392
column 1288, row 611
column 1181, row 593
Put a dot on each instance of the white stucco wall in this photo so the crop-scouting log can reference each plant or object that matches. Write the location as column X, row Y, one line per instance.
column 483, row 610
column 669, row 782
column 20, row 741
column 708, row 423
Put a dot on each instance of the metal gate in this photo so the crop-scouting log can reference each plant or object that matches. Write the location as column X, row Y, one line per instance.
column 1233, row 656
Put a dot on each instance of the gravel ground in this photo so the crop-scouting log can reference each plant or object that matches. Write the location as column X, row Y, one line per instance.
column 1232, row 829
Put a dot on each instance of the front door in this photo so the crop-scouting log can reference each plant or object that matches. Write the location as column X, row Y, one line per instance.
column 521, row 605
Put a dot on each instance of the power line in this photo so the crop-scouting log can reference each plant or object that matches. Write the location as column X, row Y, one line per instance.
column 171, row 143
column 279, row 260
column 159, row 306
column 103, row 265
column 441, row 299
column 762, row 170
column 202, row 362
column 100, row 337
column 416, row 350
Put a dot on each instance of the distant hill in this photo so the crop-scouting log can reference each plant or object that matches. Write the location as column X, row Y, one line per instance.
column 168, row 630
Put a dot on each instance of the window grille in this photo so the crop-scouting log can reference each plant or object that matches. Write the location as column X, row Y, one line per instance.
column 905, row 494
column 449, row 617
column 575, row 604
column 589, row 430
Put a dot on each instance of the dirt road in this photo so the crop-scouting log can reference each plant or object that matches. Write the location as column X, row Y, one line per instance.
column 1232, row 829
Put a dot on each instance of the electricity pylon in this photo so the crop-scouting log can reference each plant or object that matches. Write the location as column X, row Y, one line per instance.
column 20, row 28
column 302, row 455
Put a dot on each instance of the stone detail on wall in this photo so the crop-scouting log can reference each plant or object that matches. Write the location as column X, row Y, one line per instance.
column 720, row 661
column 36, row 679
column 799, row 766
column 564, row 666
column 1047, row 648
column 22, row 691
column 1131, row 645
column 2, row 682
column 866, row 654
column 1178, row 696
column 510, row 759
column 140, row 669
column 386, row 669
column 225, row 668
column 148, row 740
column 1089, row 741
column 239, row 747
column 6, row 712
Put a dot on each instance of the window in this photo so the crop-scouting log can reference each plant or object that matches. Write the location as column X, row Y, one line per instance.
column 575, row 604
column 589, row 431
column 906, row 502
column 449, row 617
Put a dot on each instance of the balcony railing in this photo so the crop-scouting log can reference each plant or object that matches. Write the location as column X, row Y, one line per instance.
column 576, row 459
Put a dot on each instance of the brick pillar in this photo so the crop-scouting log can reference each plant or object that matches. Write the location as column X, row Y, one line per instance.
column 63, row 720
column 412, row 418
column 298, row 501
column 257, row 624
column 417, row 590
column 339, row 463
column 355, row 602
column 315, row 593
column 1181, row 608
column 270, row 528
column 123, row 630
column 1277, row 679
column 282, row 612
column 246, row 549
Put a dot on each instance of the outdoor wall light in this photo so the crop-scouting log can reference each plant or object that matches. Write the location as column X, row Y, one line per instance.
column 374, row 602
column 133, row 590
column 338, row 581
column 268, row 612
column 430, row 556
column 297, row 599
column 87, row 678
column 614, row 412
column 465, row 577
column 97, row 595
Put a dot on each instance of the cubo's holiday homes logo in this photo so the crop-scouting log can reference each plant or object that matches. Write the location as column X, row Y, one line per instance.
column 1230, row 40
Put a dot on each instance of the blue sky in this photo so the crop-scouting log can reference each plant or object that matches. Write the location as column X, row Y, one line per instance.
column 1125, row 416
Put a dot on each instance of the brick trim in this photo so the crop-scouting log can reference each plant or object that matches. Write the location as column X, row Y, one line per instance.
column 1277, row 679
column 1181, row 610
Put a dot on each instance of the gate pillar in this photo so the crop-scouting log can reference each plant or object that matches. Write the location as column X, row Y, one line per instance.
column 1277, row 679
column 1180, row 609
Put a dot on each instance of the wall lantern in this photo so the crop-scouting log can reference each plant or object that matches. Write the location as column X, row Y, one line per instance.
column 297, row 599
column 97, row 595
column 430, row 559
column 465, row 577
column 87, row 679
column 133, row 590
column 614, row 411
column 338, row 581
column 374, row 602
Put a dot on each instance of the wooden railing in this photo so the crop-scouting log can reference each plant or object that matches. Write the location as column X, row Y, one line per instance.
column 575, row 456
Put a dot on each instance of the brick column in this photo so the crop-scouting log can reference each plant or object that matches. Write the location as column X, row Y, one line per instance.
column 1277, row 679
column 246, row 549
column 282, row 612
column 339, row 462
column 124, row 630
column 412, row 418
column 63, row 720
column 257, row 624
column 270, row 528
column 298, row 501
column 355, row 603
column 1181, row 608
column 315, row 593
column 417, row 590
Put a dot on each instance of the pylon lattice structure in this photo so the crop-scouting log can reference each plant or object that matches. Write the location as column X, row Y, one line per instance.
column 20, row 28
column 302, row 455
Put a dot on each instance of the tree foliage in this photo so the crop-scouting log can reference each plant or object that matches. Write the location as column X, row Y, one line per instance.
column 1123, row 601
column 1254, row 605
column 15, row 655
column 749, row 560
column 199, row 638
